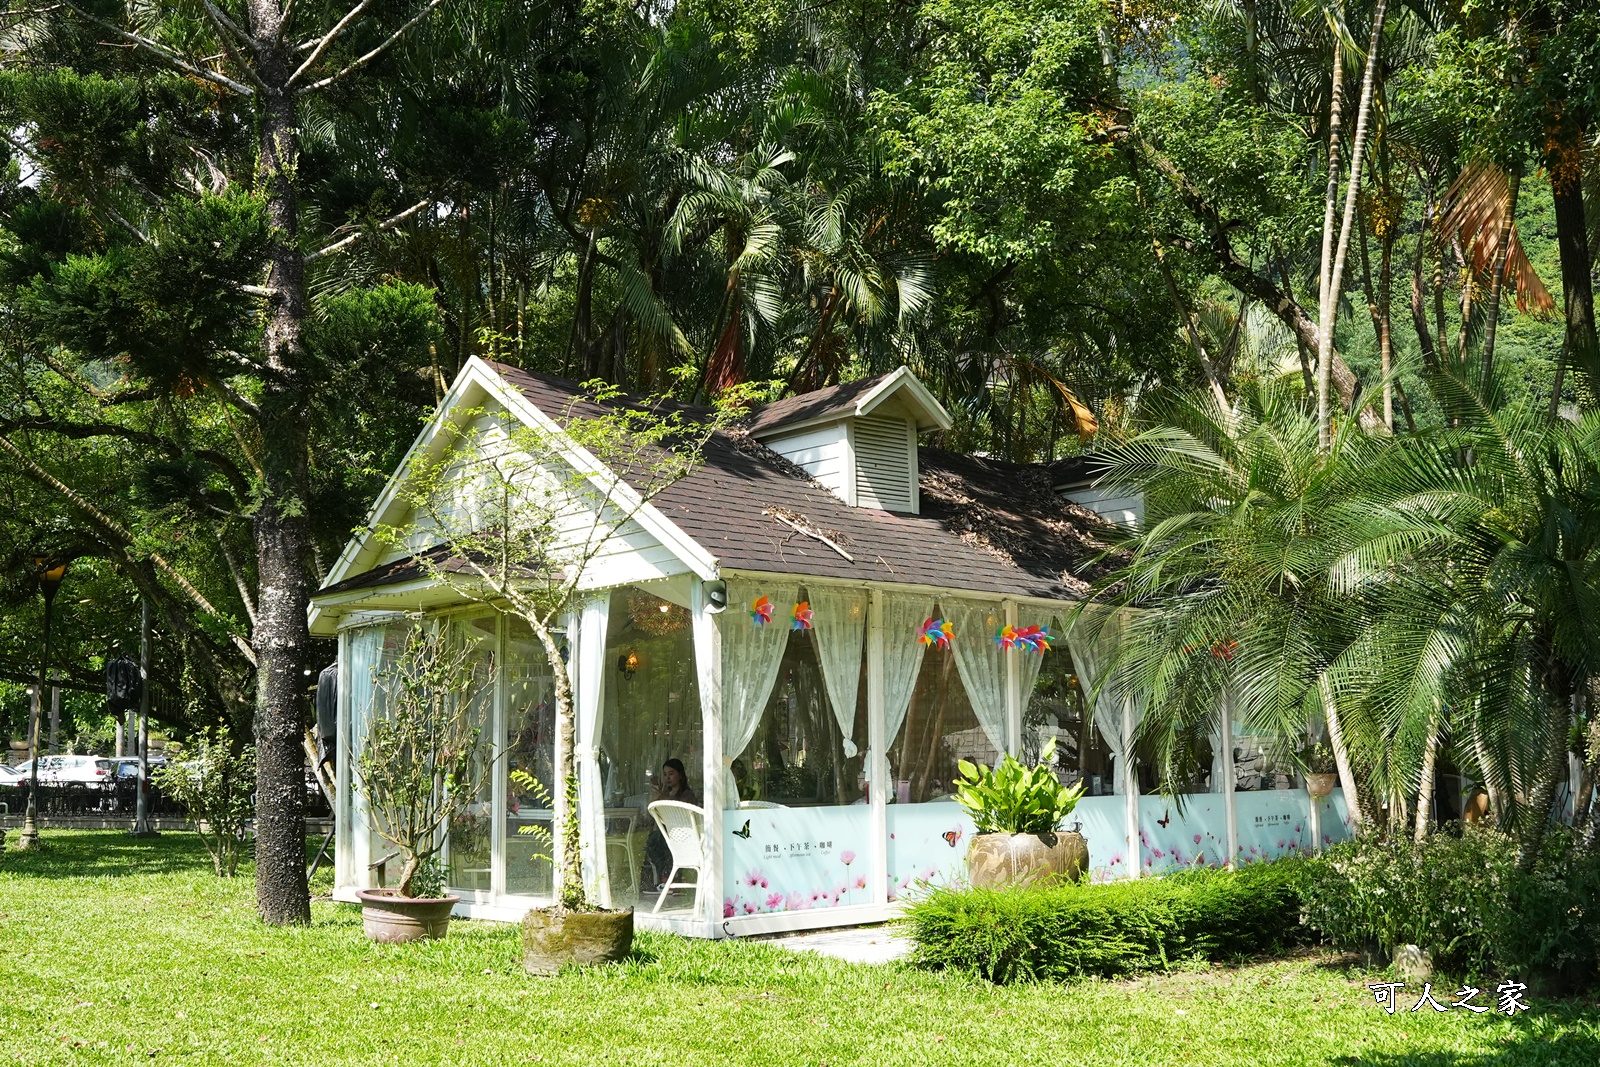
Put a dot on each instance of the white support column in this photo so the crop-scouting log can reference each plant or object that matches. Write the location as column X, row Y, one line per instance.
column 497, row 744
column 1013, row 688
column 1130, row 789
column 344, row 857
column 708, row 671
column 879, row 778
column 589, row 660
column 1229, row 801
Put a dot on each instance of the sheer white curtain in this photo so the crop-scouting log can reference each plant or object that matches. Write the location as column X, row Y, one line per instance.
column 1093, row 643
column 839, row 625
column 751, row 655
column 981, row 662
column 903, row 614
column 1030, row 663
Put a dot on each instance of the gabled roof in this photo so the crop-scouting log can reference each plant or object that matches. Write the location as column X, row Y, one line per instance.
column 740, row 502
column 852, row 399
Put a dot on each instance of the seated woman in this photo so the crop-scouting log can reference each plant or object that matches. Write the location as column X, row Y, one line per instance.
column 674, row 785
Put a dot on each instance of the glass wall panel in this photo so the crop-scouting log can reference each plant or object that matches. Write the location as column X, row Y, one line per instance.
column 940, row 730
column 373, row 650
column 470, row 836
column 650, row 714
column 530, row 746
column 1059, row 708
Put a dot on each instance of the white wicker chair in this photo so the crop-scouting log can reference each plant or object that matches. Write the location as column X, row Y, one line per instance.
column 683, row 825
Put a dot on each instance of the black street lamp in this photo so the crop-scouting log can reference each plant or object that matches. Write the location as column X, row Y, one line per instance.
column 50, row 574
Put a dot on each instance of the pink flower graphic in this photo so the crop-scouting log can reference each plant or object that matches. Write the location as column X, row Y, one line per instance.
column 753, row 878
column 1158, row 853
column 797, row 902
column 847, row 857
column 728, row 909
column 774, row 901
column 1197, row 839
column 861, row 883
column 750, row 908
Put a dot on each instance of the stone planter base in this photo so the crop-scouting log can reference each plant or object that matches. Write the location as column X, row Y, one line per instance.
column 395, row 920
column 997, row 860
column 553, row 939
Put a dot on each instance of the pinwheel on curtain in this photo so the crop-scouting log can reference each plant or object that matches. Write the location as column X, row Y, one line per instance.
column 981, row 663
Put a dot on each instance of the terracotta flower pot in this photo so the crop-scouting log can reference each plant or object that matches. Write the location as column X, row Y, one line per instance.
column 1320, row 785
column 551, row 938
column 395, row 920
column 996, row 860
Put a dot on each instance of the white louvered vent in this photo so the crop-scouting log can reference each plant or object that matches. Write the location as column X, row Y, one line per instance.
column 886, row 464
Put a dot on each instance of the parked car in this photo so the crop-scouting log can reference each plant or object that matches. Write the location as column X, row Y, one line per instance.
column 72, row 770
column 128, row 766
column 11, row 775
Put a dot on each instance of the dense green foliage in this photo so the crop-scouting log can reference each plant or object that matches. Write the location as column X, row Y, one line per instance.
column 197, row 978
column 1462, row 897
column 213, row 778
column 1012, row 799
column 1110, row 930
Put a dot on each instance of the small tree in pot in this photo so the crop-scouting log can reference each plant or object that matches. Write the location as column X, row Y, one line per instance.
column 544, row 503
column 422, row 764
column 1019, row 813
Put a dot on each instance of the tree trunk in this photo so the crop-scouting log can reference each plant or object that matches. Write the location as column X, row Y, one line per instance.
column 1333, row 280
column 1341, row 756
column 1581, row 349
column 1430, row 762
column 1386, row 324
column 1325, row 306
column 1536, row 819
column 282, row 534
column 1497, row 282
column 569, row 888
column 1419, row 303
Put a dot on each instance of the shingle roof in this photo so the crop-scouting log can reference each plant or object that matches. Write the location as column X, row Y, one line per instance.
column 732, row 502
column 817, row 404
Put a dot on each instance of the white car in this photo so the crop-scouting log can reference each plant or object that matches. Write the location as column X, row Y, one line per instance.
column 10, row 775
column 71, row 770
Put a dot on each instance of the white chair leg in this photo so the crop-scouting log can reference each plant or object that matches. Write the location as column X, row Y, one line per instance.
column 666, row 887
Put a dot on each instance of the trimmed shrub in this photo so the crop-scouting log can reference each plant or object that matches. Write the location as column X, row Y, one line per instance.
column 1460, row 896
column 1063, row 932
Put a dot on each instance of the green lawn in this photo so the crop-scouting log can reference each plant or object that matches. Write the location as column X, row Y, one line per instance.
column 116, row 951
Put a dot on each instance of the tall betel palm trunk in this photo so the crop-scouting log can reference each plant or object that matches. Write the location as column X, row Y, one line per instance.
column 282, row 534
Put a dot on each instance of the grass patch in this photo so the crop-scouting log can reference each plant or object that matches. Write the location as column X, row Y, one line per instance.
column 118, row 952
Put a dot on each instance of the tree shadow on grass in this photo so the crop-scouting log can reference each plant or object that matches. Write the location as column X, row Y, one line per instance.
column 113, row 854
column 1532, row 1044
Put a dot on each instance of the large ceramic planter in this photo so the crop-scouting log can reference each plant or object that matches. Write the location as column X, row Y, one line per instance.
column 997, row 860
column 1320, row 785
column 395, row 920
column 552, row 939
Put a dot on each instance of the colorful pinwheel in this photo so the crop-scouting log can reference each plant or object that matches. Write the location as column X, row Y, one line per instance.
column 1032, row 639
column 802, row 615
column 1006, row 638
column 936, row 632
column 761, row 611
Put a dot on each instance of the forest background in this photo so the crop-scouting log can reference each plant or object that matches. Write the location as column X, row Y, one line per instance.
column 246, row 244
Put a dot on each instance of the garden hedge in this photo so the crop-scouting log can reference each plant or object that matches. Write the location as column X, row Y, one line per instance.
column 1110, row 930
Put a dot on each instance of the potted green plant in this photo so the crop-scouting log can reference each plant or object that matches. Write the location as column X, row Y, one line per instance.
column 1322, row 771
column 423, row 764
column 1019, row 812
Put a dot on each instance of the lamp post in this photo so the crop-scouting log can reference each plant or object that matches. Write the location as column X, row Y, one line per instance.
column 50, row 574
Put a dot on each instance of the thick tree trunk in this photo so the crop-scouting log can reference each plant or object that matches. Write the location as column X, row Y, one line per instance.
column 1581, row 349
column 282, row 533
column 1497, row 282
column 1341, row 757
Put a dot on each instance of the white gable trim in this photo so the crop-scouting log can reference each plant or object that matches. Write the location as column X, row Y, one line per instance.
column 477, row 377
column 931, row 413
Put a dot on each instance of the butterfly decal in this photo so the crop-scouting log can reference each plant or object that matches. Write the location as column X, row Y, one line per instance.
column 1166, row 820
column 951, row 837
column 743, row 831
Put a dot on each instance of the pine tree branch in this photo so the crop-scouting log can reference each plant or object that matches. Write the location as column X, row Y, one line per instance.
column 162, row 52
column 327, row 39
column 389, row 223
column 361, row 62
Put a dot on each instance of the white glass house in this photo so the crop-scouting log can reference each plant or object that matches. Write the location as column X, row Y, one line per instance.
column 814, row 623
